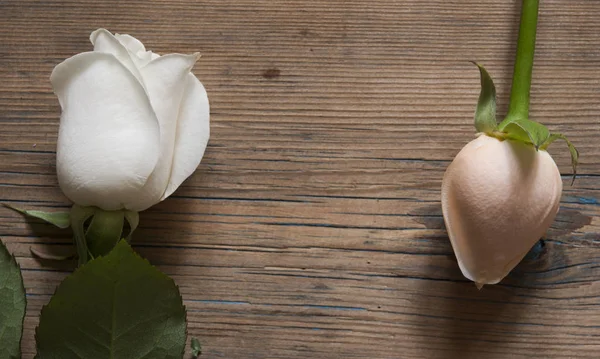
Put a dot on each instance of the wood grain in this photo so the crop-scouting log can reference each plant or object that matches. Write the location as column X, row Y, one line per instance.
column 312, row 228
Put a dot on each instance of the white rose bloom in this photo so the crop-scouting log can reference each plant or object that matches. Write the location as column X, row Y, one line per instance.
column 134, row 124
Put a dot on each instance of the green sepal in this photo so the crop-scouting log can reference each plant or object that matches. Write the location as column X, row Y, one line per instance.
column 196, row 348
column 53, row 257
column 104, row 232
column 574, row 153
column 118, row 307
column 525, row 130
column 79, row 215
column 485, row 113
column 59, row 219
column 133, row 218
column 12, row 305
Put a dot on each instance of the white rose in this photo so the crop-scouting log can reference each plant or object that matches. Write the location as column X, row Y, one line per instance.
column 134, row 124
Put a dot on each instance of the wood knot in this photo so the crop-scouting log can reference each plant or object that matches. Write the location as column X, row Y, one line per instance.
column 271, row 73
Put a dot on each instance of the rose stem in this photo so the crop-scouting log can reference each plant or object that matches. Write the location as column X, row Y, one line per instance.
column 521, row 82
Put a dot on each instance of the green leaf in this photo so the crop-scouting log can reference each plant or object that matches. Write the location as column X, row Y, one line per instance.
column 12, row 305
column 526, row 131
column 574, row 153
column 196, row 348
column 114, row 307
column 485, row 113
column 59, row 219
column 104, row 231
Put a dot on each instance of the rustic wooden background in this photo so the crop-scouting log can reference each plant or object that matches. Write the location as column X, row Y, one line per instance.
column 312, row 228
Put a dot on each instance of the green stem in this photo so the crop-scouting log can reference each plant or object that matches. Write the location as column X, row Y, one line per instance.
column 79, row 215
column 521, row 83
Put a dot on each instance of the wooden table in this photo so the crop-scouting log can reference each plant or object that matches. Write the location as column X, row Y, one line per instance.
column 313, row 228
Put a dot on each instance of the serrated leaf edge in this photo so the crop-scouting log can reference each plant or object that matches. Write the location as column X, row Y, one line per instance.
column 16, row 264
column 44, row 308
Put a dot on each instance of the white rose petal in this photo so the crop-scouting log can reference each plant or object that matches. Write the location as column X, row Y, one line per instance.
column 165, row 79
column 193, row 131
column 131, row 43
column 104, row 41
column 136, row 49
column 134, row 125
column 108, row 143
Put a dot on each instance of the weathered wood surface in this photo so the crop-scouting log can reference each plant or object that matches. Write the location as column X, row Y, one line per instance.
column 313, row 228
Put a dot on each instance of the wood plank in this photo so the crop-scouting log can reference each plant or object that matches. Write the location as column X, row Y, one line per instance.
column 313, row 228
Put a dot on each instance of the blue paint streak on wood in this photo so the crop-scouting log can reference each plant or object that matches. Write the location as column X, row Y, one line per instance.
column 216, row 301
column 313, row 306
column 237, row 199
column 588, row 200
column 334, row 307
column 337, row 226
column 581, row 200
